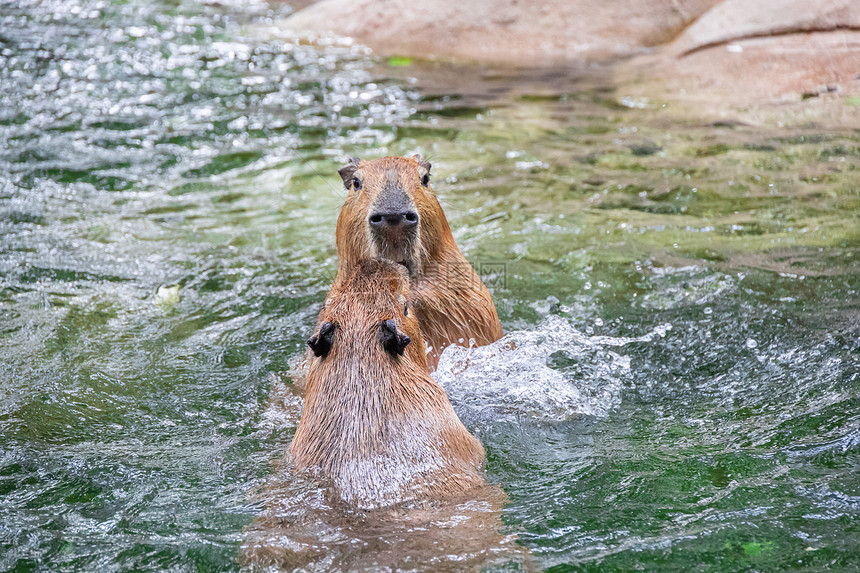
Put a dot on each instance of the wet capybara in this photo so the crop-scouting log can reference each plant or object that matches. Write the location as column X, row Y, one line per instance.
column 374, row 423
column 381, row 473
column 392, row 212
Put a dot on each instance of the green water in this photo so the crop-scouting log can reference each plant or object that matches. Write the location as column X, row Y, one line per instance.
column 167, row 205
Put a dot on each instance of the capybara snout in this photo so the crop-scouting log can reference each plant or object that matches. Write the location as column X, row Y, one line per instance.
column 395, row 229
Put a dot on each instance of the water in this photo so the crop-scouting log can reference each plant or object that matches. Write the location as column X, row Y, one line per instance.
column 550, row 373
column 682, row 391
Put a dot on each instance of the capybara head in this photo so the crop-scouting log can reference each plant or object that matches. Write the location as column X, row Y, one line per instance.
column 390, row 212
column 374, row 422
column 369, row 318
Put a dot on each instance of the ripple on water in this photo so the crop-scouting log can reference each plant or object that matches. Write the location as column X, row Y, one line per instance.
column 552, row 372
column 168, row 193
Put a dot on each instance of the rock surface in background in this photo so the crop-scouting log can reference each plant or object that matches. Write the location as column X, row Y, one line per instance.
column 729, row 51
column 767, row 50
column 731, row 20
column 516, row 32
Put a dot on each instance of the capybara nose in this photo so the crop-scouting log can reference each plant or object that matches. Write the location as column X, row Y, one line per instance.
column 384, row 220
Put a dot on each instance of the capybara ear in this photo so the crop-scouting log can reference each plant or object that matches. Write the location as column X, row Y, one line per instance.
column 393, row 340
column 320, row 343
column 424, row 170
column 347, row 172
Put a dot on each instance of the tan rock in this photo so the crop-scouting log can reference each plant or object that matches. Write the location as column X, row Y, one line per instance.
column 779, row 68
column 766, row 51
column 515, row 32
column 732, row 20
column 701, row 52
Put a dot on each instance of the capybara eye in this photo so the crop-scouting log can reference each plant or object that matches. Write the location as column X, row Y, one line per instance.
column 406, row 309
column 356, row 183
column 425, row 180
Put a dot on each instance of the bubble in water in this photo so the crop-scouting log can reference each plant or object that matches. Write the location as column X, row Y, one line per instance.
column 552, row 372
column 546, row 306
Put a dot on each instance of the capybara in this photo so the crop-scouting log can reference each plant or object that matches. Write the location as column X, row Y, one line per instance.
column 381, row 474
column 392, row 212
column 374, row 423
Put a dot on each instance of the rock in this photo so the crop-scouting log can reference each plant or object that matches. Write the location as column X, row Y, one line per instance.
column 775, row 69
column 733, row 20
column 517, row 32
column 704, row 53
column 765, row 51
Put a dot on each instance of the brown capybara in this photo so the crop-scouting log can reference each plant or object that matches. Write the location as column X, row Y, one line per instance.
column 392, row 212
column 381, row 474
column 374, row 423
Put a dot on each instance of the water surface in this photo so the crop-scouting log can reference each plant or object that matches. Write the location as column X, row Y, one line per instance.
column 683, row 294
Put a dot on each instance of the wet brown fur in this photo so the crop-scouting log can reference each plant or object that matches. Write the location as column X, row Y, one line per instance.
column 453, row 304
column 374, row 422
column 381, row 475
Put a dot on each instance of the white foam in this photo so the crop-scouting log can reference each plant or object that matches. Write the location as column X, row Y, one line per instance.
column 552, row 372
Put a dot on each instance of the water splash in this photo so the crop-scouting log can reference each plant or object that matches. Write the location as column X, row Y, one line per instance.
column 552, row 372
